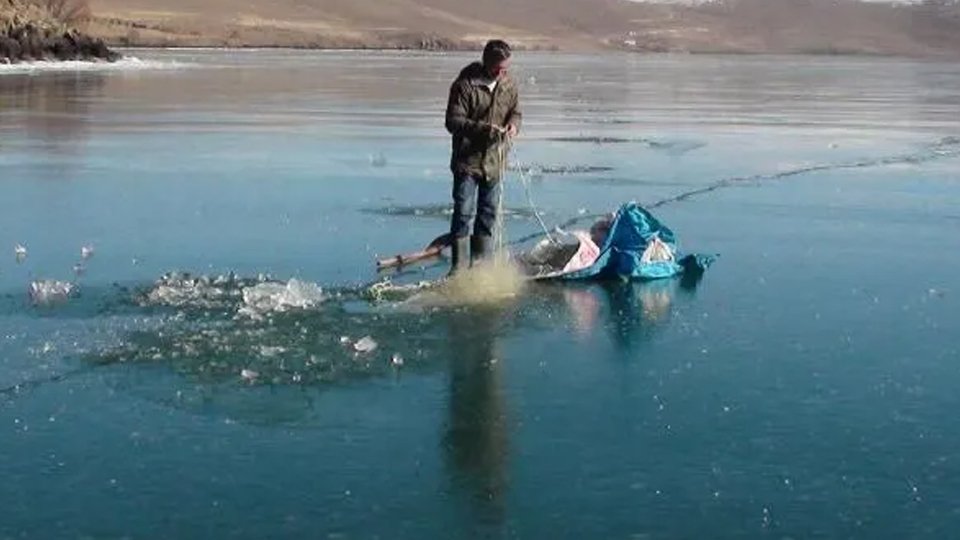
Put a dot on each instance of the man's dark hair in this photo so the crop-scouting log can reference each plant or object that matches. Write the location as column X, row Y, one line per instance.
column 495, row 51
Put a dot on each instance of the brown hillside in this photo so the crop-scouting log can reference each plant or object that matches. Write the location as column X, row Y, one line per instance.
column 771, row 26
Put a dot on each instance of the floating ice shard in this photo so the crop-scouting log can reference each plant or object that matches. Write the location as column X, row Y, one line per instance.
column 277, row 297
column 48, row 291
column 365, row 345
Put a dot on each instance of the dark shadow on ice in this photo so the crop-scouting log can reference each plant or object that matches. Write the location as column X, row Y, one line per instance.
column 476, row 437
column 437, row 211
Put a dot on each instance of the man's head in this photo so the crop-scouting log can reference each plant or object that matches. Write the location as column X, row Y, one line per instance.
column 496, row 58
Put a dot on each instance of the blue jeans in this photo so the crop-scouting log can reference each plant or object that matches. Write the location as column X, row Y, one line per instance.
column 474, row 197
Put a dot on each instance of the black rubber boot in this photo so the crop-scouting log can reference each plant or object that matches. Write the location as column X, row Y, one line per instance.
column 458, row 255
column 481, row 249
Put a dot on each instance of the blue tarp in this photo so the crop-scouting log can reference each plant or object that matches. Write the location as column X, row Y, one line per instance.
column 632, row 230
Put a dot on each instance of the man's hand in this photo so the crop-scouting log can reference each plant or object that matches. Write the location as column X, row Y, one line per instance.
column 497, row 131
column 509, row 131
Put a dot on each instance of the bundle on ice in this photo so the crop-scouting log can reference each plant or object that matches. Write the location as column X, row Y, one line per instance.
column 630, row 244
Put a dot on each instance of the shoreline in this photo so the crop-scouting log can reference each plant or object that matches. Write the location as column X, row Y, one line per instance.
column 128, row 53
column 558, row 50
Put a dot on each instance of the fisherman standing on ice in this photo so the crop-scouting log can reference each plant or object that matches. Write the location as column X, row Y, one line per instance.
column 483, row 112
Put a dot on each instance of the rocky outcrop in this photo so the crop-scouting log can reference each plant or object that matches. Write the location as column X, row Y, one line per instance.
column 28, row 33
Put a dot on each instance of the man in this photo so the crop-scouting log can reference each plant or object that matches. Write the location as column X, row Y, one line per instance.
column 483, row 112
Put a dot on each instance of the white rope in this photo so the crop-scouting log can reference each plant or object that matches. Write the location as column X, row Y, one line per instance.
column 525, row 181
column 505, row 149
column 499, row 233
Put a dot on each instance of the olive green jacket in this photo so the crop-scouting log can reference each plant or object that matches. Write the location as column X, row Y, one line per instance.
column 472, row 112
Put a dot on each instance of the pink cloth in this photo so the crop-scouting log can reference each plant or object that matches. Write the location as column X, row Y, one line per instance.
column 585, row 256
